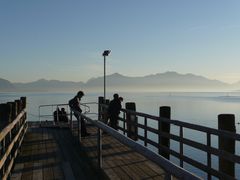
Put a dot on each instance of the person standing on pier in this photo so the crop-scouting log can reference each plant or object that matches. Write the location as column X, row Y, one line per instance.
column 75, row 106
column 114, row 111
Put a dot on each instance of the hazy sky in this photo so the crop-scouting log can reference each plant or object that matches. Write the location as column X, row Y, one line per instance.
column 64, row 39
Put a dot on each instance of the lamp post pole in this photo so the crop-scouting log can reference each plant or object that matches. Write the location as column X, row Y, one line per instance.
column 105, row 53
column 104, row 91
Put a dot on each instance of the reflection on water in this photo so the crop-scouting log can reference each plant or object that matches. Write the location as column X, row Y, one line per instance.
column 197, row 108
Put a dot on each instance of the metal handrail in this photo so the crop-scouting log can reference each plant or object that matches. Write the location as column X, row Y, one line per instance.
column 183, row 124
column 185, row 141
column 87, row 108
column 168, row 166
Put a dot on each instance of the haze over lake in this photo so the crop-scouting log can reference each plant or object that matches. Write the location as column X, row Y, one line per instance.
column 195, row 107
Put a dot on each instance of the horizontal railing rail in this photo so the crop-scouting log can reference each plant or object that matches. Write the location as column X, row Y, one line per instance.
column 182, row 140
column 50, row 112
column 179, row 137
column 170, row 168
column 185, row 141
column 11, row 138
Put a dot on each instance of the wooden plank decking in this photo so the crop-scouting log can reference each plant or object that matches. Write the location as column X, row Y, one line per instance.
column 119, row 161
column 53, row 153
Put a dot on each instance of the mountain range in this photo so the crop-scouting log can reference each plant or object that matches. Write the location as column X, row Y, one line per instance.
column 168, row 81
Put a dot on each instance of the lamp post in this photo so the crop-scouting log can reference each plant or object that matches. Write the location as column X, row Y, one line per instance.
column 105, row 53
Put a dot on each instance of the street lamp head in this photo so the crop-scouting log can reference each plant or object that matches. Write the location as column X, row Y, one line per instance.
column 106, row 52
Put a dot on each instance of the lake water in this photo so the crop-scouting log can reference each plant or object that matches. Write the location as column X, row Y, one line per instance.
column 194, row 107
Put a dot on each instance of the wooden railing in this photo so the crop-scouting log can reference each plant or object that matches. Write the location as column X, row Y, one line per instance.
column 182, row 140
column 170, row 168
column 144, row 123
column 11, row 136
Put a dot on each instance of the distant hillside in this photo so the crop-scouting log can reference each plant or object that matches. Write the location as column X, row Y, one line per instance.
column 161, row 81
column 168, row 81
column 49, row 85
column 5, row 85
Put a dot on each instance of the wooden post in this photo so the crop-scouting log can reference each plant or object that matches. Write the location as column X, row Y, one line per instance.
column 24, row 105
column 13, row 116
column 71, row 120
column 105, row 112
column 132, row 130
column 226, row 122
column 14, row 110
column 18, row 106
column 145, row 131
column 164, row 112
column 24, row 102
column 100, row 109
column 5, row 115
column 79, row 128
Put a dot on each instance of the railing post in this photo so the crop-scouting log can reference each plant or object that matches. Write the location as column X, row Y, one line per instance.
column 226, row 122
column 14, row 110
column 181, row 146
column 57, row 115
column 209, row 159
column 19, row 108
column 164, row 112
column 5, row 119
column 5, row 114
column 71, row 121
column 24, row 102
column 79, row 127
column 100, row 108
column 105, row 115
column 145, row 131
column 124, row 123
column 3, row 151
column 131, row 119
column 99, row 145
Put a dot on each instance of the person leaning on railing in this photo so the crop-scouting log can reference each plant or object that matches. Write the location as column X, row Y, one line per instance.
column 114, row 111
column 74, row 104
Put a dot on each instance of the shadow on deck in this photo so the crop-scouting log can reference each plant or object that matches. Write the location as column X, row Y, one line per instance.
column 54, row 153
column 119, row 161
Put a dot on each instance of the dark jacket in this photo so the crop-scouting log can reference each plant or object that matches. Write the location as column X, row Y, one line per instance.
column 74, row 104
column 114, row 107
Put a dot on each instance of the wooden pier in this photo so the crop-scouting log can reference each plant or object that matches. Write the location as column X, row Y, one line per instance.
column 54, row 153
column 56, row 150
column 120, row 161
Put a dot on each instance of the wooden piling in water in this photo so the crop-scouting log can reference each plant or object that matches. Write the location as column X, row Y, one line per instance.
column 226, row 122
column 164, row 112
column 23, row 102
column 13, row 109
column 5, row 114
column 18, row 102
column 131, row 120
